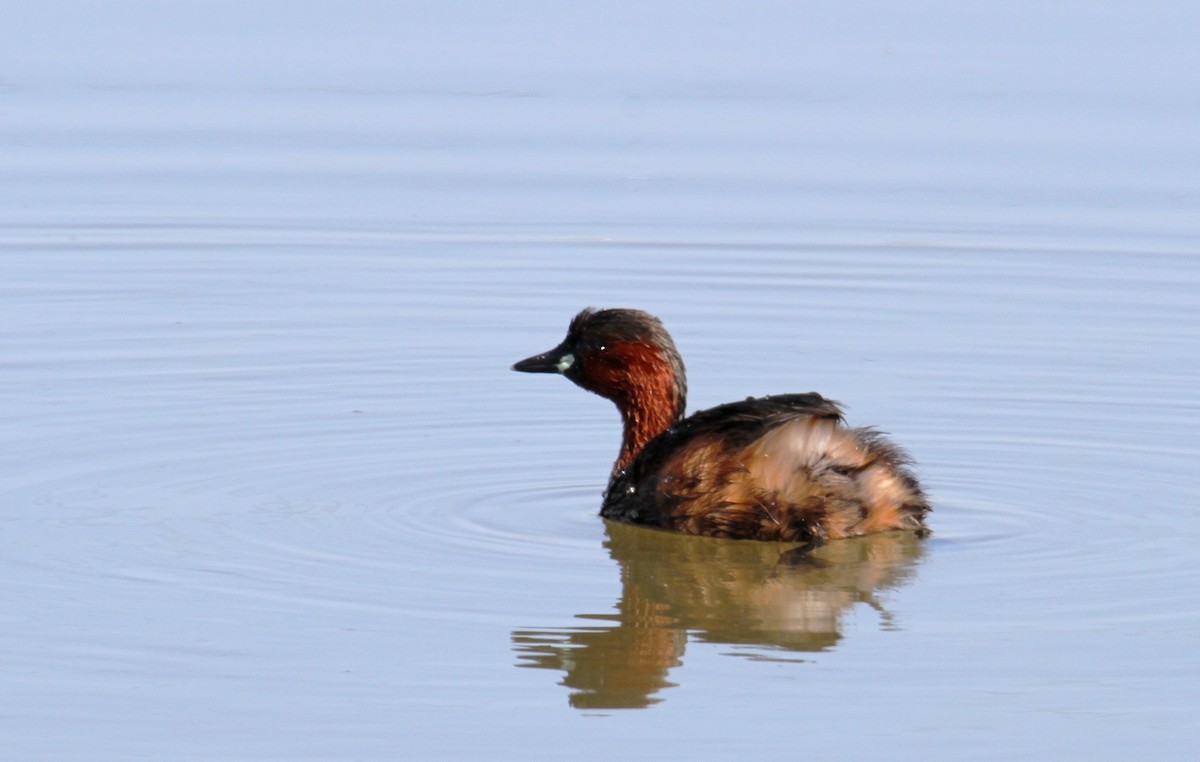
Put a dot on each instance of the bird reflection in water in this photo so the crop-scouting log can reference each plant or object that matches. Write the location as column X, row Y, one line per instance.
column 676, row 587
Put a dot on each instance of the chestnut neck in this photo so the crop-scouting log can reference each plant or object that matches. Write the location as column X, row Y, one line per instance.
column 649, row 390
column 643, row 417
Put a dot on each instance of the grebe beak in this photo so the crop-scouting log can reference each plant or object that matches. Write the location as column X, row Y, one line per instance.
column 557, row 360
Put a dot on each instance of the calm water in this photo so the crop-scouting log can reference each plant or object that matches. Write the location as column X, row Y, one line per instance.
column 268, row 489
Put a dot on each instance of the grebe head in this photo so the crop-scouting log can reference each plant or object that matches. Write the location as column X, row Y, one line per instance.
column 625, row 356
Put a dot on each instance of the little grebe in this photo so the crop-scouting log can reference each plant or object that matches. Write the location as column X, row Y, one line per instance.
column 781, row 468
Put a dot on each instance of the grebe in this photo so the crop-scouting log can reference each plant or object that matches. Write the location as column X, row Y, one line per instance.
column 783, row 467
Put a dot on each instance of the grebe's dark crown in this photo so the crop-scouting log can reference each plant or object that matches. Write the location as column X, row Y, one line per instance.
column 595, row 327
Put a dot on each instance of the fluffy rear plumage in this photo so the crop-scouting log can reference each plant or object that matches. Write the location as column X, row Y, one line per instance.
column 775, row 468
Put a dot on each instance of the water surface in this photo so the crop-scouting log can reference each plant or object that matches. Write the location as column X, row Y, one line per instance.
column 270, row 490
